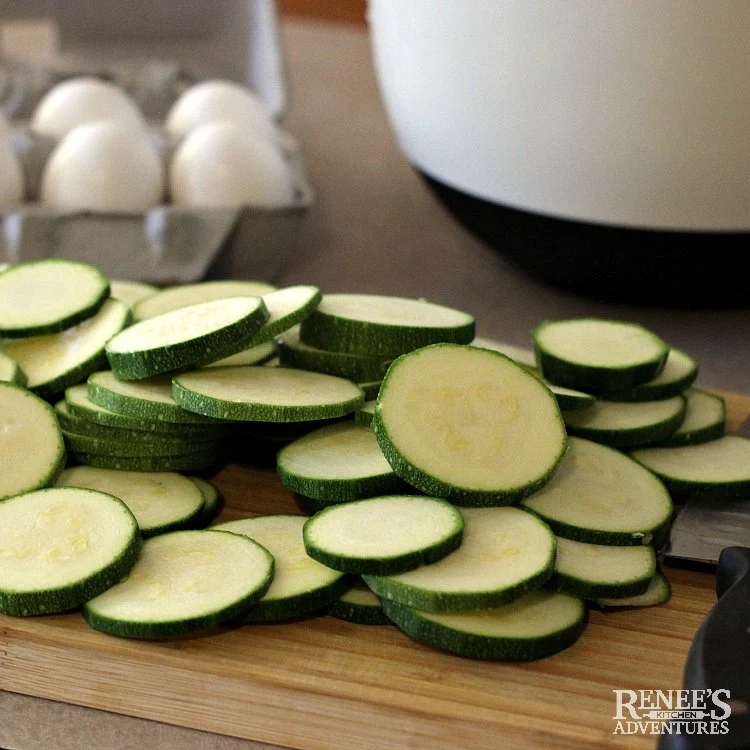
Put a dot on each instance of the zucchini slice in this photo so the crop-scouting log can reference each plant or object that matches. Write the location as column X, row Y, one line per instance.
column 720, row 467
column 356, row 367
column 52, row 363
column 10, row 372
column 366, row 414
column 505, row 553
column 705, row 419
column 130, row 292
column 32, row 452
column 469, row 425
column 147, row 400
column 301, row 585
column 597, row 570
column 213, row 500
column 145, row 446
column 679, row 373
column 47, row 296
column 376, row 325
column 266, row 394
column 358, row 604
column 61, row 547
column 540, row 624
column 192, row 461
column 597, row 356
column 384, row 535
column 370, row 388
column 601, row 496
column 255, row 355
column 286, row 308
column 570, row 399
column 519, row 354
column 338, row 463
column 627, row 424
column 184, row 582
column 184, row 295
column 160, row 502
column 658, row 592
column 189, row 337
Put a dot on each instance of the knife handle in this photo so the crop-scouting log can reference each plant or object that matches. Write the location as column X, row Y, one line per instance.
column 720, row 656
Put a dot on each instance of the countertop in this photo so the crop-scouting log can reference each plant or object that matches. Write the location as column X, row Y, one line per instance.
column 376, row 228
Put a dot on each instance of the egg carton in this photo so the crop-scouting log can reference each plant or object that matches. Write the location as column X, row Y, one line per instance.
column 168, row 244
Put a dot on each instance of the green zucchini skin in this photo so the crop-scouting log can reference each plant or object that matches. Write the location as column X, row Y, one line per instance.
column 213, row 501
column 569, row 402
column 658, row 592
column 186, row 462
column 364, row 417
column 136, row 447
column 712, row 430
column 334, row 491
column 481, row 647
column 566, row 584
column 10, row 371
column 655, row 391
column 371, row 389
column 361, row 614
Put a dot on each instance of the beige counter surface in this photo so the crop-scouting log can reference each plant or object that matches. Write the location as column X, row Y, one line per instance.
column 376, row 228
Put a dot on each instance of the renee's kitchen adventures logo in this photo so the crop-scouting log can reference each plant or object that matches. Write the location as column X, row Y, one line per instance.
column 692, row 712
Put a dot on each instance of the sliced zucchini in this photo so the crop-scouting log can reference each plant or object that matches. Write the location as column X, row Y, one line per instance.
column 184, row 582
column 145, row 446
column 32, row 452
column 358, row 604
column 10, row 372
column 601, row 496
column 192, row 461
column 255, row 355
column 384, row 535
column 597, row 570
column 145, row 400
column 598, row 356
column 569, row 399
column 365, row 415
column 338, row 463
column 176, row 297
column 160, row 502
column 679, row 373
column 538, row 625
column 54, row 362
column 720, row 467
column 189, row 337
column 505, row 553
column 286, row 308
column 264, row 394
column 705, row 419
column 213, row 500
column 371, row 389
column 61, row 547
column 47, row 296
column 130, row 292
column 627, row 424
column 375, row 325
column 469, row 425
column 519, row 354
column 356, row 367
column 300, row 585
column 658, row 592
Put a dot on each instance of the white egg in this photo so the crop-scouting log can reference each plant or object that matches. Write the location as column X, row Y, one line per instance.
column 221, row 165
column 11, row 175
column 213, row 101
column 78, row 101
column 103, row 166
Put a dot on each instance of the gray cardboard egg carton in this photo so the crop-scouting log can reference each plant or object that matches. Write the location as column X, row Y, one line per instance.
column 167, row 244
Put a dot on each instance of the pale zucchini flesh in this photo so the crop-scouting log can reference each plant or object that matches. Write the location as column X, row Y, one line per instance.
column 61, row 547
column 469, row 425
column 540, row 624
column 596, row 355
column 32, row 452
column 627, row 424
column 10, row 372
column 379, row 325
column 658, row 592
column 505, row 553
column 384, row 535
column 519, row 354
column 130, row 292
column 600, row 495
column 47, row 296
column 592, row 571
column 366, row 414
column 301, row 585
column 720, row 467
column 176, row 297
column 184, row 582
column 261, row 394
column 188, row 337
column 213, row 500
column 337, row 463
column 255, row 355
column 705, row 419
column 286, row 308
column 160, row 501
column 54, row 362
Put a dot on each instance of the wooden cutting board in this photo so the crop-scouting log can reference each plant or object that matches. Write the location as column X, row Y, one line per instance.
column 324, row 684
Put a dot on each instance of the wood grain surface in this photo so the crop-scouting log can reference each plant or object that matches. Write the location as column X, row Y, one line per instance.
column 324, row 684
